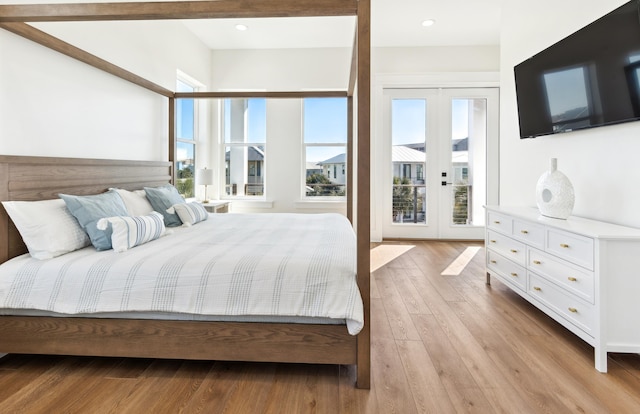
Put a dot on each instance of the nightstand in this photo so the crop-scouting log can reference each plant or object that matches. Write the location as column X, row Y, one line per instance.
column 217, row 206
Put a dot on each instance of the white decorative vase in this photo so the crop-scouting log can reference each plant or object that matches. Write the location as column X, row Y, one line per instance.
column 554, row 193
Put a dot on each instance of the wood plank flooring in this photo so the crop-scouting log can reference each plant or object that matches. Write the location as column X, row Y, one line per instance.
column 440, row 344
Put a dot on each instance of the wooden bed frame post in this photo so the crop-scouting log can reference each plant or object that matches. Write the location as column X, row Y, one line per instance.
column 350, row 164
column 101, row 341
column 363, row 216
column 4, row 218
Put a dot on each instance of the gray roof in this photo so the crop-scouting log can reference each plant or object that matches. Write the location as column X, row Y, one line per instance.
column 404, row 154
column 253, row 154
column 338, row 159
column 399, row 153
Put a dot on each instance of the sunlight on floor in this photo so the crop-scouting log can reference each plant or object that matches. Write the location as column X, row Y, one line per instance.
column 383, row 254
column 458, row 265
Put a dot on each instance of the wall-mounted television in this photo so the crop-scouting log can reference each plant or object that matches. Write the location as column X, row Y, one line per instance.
column 589, row 79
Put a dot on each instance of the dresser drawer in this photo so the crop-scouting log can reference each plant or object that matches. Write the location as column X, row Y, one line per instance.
column 569, row 306
column 575, row 279
column 572, row 247
column 528, row 232
column 506, row 246
column 499, row 222
column 507, row 269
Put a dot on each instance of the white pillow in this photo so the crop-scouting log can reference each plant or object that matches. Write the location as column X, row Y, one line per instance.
column 135, row 201
column 189, row 213
column 128, row 232
column 47, row 227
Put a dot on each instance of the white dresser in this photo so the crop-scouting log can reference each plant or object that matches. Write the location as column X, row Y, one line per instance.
column 583, row 273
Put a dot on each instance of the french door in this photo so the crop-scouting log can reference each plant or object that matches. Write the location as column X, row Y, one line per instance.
column 437, row 173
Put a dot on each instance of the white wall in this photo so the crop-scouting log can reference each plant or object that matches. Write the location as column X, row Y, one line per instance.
column 281, row 70
column 318, row 69
column 407, row 60
column 601, row 162
column 52, row 105
column 296, row 69
column 420, row 67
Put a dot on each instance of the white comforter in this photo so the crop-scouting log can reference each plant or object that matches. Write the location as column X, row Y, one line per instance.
column 231, row 264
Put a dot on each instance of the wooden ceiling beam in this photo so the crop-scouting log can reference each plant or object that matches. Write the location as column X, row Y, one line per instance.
column 263, row 94
column 176, row 10
column 53, row 43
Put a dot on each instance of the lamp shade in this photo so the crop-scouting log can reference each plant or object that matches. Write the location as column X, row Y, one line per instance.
column 204, row 176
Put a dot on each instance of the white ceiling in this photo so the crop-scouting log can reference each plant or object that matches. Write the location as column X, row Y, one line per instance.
column 394, row 23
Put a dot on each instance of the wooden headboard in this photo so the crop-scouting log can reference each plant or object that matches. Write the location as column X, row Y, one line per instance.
column 43, row 178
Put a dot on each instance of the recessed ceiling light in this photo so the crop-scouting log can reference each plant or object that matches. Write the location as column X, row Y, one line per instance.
column 427, row 23
column 241, row 27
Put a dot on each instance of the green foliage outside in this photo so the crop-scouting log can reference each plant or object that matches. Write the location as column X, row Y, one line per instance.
column 402, row 197
column 322, row 186
column 185, row 182
column 460, row 204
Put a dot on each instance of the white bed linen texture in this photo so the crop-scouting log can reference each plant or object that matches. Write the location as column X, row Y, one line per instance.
column 231, row 264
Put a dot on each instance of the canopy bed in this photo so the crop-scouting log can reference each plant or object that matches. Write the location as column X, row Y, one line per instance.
column 43, row 178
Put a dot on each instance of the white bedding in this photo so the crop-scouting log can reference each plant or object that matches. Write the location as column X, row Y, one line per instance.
column 249, row 265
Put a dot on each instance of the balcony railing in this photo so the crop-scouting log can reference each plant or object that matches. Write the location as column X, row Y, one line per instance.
column 410, row 203
column 326, row 190
column 249, row 189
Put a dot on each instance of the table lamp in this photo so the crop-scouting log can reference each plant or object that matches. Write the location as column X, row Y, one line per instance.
column 204, row 177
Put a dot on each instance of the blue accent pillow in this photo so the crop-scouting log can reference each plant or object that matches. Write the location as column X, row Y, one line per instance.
column 162, row 198
column 129, row 232
column 190, row 213
column 89, row 209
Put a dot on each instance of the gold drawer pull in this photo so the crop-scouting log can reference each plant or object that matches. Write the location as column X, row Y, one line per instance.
column 496, row 222
column 492, row 241
column 524, row 232
column 494, row 262
column 573, row 310
column 537, row 262
column 514, row 251
column 564, row 245
column 572, row 279
column 539, row 289
column 514, row 274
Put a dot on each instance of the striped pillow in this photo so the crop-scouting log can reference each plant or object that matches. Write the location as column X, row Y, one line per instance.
column 189, row 213
column 130, row 232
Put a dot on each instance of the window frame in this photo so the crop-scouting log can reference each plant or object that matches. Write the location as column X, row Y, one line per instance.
column 226, row 191
column 304, row 150
column 184, row 82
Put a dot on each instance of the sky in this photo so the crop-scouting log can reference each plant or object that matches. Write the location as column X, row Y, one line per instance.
column 325, row 122
column 408, row 122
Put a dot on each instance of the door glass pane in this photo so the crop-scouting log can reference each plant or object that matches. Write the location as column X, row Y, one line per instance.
column 408, row 159
column 468, row 149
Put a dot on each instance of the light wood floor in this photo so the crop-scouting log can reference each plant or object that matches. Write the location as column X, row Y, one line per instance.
column 440, row 344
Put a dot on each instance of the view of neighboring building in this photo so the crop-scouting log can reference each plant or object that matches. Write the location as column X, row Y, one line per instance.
column 408, row 163
column 313, row 168
column 334, row 169
column 253, row 182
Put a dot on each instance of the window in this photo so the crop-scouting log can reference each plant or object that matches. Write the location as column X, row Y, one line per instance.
column 324, row 147
column 245, row 138
column 406, row 171
column 186, row 141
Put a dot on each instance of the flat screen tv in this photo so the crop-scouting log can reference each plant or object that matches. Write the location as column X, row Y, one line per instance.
column 589, row 79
